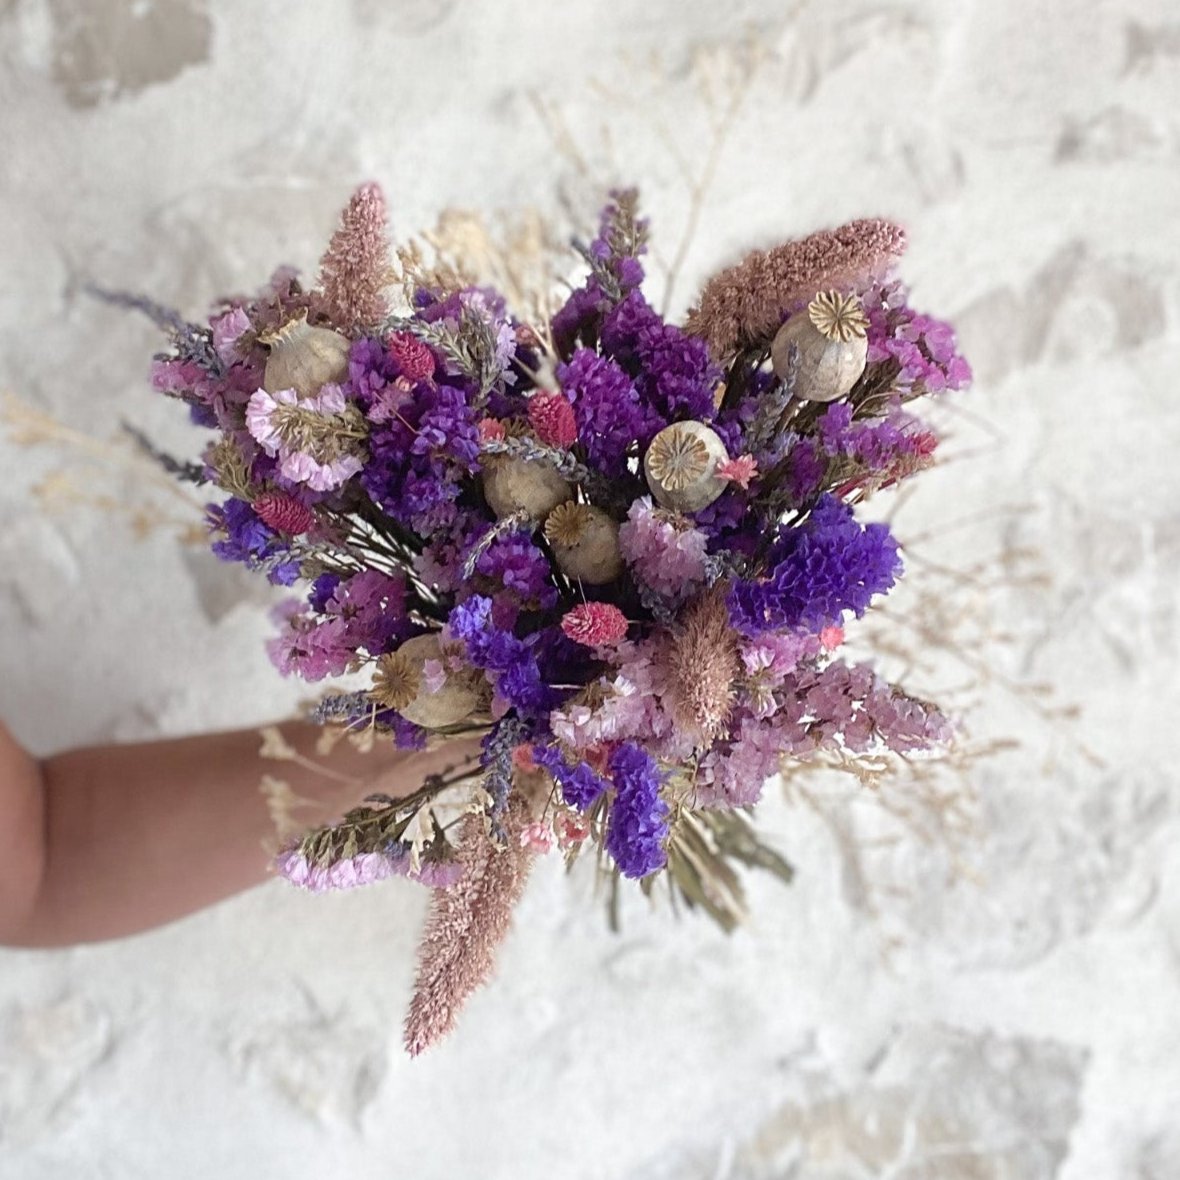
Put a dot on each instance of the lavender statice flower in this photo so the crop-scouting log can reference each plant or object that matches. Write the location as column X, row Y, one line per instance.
column 610, row 415
column 923, row 347
column 308, row 647
column 637, row 826
column 366, row 868
column 666, row 552
column 372, row 606
column 518, row 571
column 581, row 786
column 828, row 565
column 887, row 448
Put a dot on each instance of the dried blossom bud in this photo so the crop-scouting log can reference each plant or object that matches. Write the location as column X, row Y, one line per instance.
column 413, row 356
column 681, row 466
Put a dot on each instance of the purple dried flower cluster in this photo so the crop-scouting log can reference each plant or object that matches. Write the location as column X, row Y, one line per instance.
column 630, row 583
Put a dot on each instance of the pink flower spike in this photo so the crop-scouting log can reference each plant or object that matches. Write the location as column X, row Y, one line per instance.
column 595, row 624
column 284, row 513
column 490, row 430
column 552, row 417
column 831, row 638
column 537, row 837
column 740, row 470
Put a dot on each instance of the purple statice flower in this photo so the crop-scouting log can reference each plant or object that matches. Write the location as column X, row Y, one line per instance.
column 822, row 568
column 518, row 571
column 923, row 347
column 227, row 329
column 243, row 536
column 420, row 455
column 406, row 735
column 308, row 647
column 321, row 590
column 665, row 552
column 671, row 369
column 580, row 784
column 637, row 826
column 889, row 447
column 372, row 605
column 806, row 467
column 510, row 661
column 608, row 410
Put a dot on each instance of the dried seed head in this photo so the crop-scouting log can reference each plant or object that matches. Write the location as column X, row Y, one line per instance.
column 838, row 317
column 681, row 465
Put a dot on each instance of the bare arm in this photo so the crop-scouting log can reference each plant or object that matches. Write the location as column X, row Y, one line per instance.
column 104, row 842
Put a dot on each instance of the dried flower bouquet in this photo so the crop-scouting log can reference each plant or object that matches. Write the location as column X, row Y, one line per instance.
column 620, row 550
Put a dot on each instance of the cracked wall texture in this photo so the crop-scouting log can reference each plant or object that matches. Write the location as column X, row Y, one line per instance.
column 981, row 989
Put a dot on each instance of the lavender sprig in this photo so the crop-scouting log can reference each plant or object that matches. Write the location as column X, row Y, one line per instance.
column 192, row 342
column 185, row 471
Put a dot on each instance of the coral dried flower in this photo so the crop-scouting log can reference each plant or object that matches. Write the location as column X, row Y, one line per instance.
column 595, row 624
column 284, row 513
column 552, row 417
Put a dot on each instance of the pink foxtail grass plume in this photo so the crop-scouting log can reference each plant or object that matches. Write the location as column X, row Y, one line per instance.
column 355, row 268
column 466, row 925
column 745, row 303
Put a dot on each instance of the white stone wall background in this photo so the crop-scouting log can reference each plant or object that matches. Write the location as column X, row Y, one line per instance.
column 887, row 1016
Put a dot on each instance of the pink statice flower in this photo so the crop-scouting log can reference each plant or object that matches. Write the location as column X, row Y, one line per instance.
column 307, row 647
column 364, row 869
column 227, row 331
column 667, row 554
column 313, row 437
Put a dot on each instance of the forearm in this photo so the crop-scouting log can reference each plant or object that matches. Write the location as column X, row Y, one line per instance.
column 138, row 835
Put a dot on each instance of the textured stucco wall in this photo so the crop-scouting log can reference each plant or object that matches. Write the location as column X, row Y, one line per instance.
column 999, row 1002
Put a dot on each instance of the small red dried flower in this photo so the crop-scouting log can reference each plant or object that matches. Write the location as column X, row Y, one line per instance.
column 284, row 513
column 595, row 624
column 491, row 431
column 413, row 356
column 552, row 417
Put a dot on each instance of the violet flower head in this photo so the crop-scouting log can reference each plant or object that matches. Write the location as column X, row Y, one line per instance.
column 580, row 785
column 828, row 565
column 610, row 415
column 637, row 826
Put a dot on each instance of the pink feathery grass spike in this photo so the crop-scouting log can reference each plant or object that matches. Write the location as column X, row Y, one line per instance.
column 284, row 513
column 745, row 304
column 355, row 269
column 466, row 925
column 595, row 624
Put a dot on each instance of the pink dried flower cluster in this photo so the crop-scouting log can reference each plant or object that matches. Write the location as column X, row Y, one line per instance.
column 552, row 417
column 665, row 555
column 595, row 624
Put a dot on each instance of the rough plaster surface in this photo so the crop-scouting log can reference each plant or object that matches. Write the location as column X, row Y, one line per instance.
column 998, row 1004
